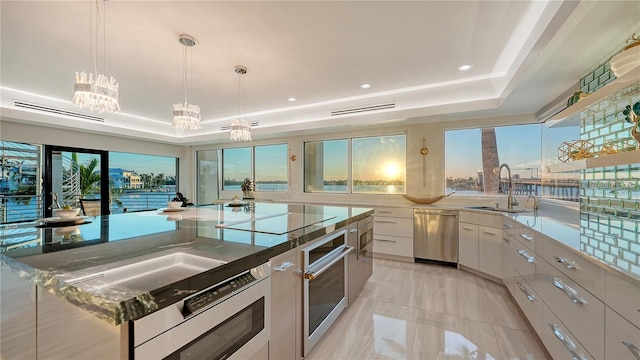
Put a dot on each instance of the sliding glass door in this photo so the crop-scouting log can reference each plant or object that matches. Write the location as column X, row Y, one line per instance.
column 76, row 177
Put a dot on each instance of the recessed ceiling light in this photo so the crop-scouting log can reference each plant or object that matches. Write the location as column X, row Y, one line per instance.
column 365, row 86
column 291, row 99
column 465, row 67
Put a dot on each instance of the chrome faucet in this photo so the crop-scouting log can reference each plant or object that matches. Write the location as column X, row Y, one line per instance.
column 535, row 202
column 511, row 200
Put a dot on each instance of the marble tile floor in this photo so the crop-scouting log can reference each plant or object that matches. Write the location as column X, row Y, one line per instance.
column 419, row 311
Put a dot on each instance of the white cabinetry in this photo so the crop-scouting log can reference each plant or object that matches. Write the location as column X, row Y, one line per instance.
column 623, row 296
column 282, row 344
column 508, row 255
column 490, row 251
column 622, row 338
column 558, row 340
column 468, row 245
column 480, row 242
column 393, row 233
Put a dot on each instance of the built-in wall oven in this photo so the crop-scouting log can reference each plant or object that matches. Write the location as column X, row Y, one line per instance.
column 229, row 320
column 325, row 285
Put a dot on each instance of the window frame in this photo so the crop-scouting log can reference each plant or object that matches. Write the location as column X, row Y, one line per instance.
column 349, row 139
column 252, row 171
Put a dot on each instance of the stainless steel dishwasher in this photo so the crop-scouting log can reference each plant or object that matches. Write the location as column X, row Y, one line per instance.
column 435, row 236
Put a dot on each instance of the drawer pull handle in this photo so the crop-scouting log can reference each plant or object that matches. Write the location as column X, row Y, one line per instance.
column 353, row 230
column 507, row 226
column 524, row 289
column 571, row 293
column 506, row 239
column 284, row 266
column 633, row 348
column 571, row 347
column 529, row 258
column 385, row 222
column 466, row 228
column 385, row 240
column 489, row 233
column 526, row 237
column 566, row 262
column 384, row 211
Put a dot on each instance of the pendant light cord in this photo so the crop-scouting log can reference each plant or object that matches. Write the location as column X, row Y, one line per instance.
column 184, row 69
column 95, row 53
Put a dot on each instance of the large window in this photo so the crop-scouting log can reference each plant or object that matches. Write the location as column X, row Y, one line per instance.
column 326, row 167
column 141, row 182
column 266, row 165
column 271, row 167
column 377, row 165
column 236, row 166
column 473, row 158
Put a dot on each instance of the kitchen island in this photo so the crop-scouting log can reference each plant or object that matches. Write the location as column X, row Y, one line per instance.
column 213, row 243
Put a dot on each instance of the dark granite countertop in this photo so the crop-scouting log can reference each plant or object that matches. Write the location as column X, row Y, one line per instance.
column 239, row 238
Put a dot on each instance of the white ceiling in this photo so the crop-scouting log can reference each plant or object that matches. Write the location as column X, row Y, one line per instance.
column 524, row 54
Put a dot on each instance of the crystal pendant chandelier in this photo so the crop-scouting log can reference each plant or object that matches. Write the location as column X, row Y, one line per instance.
column 185, row 115
column 240, row 129
column 96, row 91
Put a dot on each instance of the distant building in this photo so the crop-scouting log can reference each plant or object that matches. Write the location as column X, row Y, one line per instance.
column 480, row 178
column 125, row 179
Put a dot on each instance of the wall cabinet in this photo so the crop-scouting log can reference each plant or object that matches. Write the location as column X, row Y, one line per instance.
column 393, row 233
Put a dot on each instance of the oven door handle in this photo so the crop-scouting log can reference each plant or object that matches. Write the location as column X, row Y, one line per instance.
column 312, row 274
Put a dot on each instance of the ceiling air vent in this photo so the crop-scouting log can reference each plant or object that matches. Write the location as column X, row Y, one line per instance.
column 228, row 127
column 51, row 110
column 363, row 109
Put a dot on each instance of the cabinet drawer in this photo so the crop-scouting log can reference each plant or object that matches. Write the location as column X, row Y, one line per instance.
column 480, row 218
column 525, row 261
column 393, row 245
column 393, row 226
column 583, row 272
column 528, row 237
column 509, row 225
column 622, row 339
column 581, row 312
column 623, row 296
column 529, row 301
column 558, row 340
column 394, row 212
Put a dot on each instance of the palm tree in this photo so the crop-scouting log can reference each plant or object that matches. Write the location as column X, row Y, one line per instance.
column 89, row 177
column 490, row 161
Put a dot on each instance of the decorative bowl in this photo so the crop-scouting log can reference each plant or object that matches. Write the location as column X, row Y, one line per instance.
column 66, row 213
column 425, row 200
column 174, row 204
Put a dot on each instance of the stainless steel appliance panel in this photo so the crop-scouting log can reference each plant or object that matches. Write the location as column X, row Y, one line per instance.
column 325, row 285
column 235, row 326
column 435, row 235
column 360, row 264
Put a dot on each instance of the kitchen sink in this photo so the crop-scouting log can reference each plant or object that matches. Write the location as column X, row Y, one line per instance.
column 491, row 208
column 147, row 274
